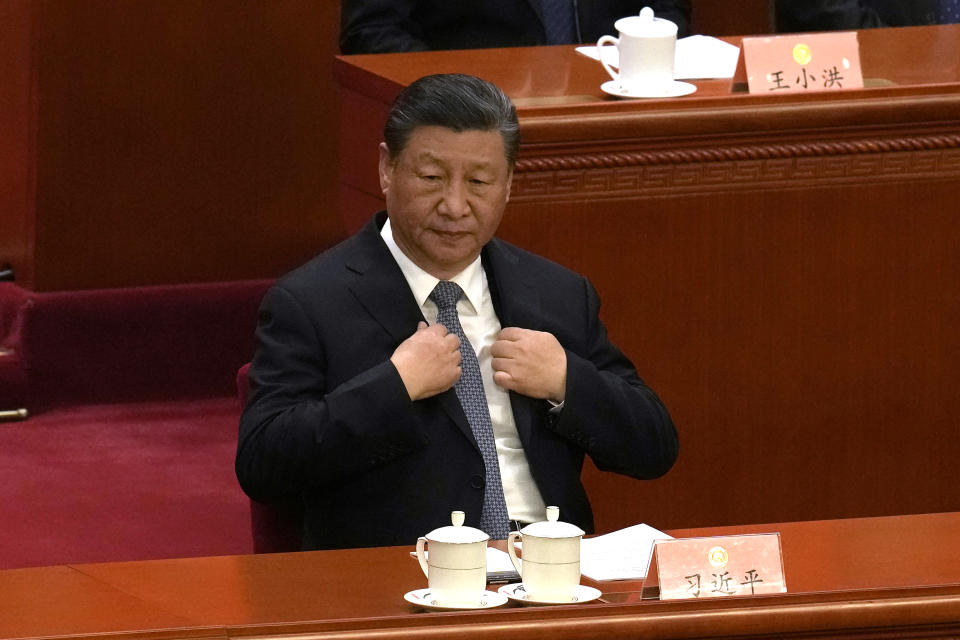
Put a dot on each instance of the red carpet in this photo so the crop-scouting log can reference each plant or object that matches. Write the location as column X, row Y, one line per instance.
column 128, row 452
column 122, row 482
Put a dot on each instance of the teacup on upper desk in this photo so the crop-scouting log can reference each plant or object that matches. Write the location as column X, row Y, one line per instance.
column 647, row 47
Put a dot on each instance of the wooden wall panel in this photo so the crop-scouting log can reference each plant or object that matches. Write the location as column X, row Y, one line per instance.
column 725, row 18
column 181, row 141
column 16, row 122
column 803, row 341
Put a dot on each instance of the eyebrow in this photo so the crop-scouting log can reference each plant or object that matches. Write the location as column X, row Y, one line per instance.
column 427, row 156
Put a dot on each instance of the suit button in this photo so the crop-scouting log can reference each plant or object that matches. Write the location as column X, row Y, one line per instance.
column 477, row 481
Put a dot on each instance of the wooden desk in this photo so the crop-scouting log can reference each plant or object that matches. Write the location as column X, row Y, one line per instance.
column 782, row 269
column 869, row 577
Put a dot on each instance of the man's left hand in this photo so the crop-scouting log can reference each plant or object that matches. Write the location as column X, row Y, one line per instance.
column 530, row 362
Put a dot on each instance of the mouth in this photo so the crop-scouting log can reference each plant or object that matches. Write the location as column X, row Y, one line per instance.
column 451, row 235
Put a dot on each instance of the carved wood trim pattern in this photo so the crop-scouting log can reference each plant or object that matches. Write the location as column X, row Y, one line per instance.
column 660, row 172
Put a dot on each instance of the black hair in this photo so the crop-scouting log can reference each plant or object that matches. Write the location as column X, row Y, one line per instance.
column 455, row 101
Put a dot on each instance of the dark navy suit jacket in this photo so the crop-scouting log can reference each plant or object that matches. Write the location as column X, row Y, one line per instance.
column 388, row 26
column 329, row 419
column 827, row 15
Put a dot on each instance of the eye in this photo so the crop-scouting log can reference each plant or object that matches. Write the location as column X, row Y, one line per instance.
column 478, row 181
column 431, row 179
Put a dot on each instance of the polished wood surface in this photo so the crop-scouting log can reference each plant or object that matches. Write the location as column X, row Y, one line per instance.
column 913, row 77
column 62, row 601
column 869, row 576
column 165, row 142
column 15, row 193
column 718, row 18
column 782, row 269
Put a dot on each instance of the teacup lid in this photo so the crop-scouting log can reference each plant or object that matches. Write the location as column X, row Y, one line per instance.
column 457, row 533
column 646, row 24
column 552, row 527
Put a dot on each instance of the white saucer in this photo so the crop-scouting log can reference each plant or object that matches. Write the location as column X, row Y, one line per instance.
column 518, row 593
column 421, row 598
column 672, row 90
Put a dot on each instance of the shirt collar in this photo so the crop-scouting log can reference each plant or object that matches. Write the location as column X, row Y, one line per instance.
column 471, row 279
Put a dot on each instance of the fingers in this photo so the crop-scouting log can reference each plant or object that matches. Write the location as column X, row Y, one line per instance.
column 504, row 380
column 428, row 361
column 529, row 362
column 514, row 342
column 511, row 343
column 501, row 349
column 513, row 334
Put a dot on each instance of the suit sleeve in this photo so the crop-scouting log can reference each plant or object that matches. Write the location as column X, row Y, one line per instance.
column 609, row 411
column 294, row 431
column 379, row 26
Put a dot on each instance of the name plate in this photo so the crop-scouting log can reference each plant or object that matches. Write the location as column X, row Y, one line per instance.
column 715, row 567
column 803, row 62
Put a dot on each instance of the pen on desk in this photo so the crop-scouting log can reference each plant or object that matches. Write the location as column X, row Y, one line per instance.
column 502, row 577
column 494, row 577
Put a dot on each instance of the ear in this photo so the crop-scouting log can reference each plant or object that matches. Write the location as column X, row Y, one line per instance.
column 386, row 167
column 509, row 183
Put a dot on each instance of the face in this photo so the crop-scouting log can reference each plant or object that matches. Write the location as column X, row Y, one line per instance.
column 445, row 193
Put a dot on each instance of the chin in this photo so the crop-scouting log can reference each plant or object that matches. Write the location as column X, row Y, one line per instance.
column 451, row 265
column 462, row 252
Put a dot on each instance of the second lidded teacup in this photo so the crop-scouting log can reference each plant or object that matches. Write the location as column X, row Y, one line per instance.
column 455, row 563
column 550, row 568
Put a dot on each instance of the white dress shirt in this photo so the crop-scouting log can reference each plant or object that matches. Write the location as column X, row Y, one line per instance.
column 481, row 326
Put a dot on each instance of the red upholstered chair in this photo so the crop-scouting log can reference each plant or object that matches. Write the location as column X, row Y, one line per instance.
column 277, row 527
column 14, row 303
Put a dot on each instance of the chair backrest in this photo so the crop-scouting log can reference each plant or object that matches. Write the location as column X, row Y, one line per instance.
column 243, row 385
column 13, row 370
column 276, row 526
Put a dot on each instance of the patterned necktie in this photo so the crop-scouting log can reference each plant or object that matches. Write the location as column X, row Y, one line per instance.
column 949, row 11
column 469, row 389
column 559, row 22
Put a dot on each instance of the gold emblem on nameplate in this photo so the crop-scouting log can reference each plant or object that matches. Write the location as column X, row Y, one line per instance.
column 718, row 557
column 802, row 55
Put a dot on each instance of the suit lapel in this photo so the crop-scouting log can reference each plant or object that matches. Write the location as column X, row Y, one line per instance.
column 517, row 303
column 515, row 299
column 379, row 285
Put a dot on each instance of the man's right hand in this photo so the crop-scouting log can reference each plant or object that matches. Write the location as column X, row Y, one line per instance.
column 428, row 361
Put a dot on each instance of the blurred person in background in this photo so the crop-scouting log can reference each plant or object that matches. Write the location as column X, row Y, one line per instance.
column 389, row 26
column 828, row 15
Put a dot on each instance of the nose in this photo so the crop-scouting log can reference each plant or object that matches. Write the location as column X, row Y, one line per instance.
column 454, row 203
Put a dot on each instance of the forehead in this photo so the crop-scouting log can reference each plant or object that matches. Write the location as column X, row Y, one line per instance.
column 473, row 147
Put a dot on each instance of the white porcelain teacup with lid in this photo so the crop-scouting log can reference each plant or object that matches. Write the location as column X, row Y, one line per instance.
column 646, row 46
column 550, row 568
column 454, row 559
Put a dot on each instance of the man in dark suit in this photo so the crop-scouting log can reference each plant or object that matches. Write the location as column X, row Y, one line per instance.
column 358, row 406
column 389, row 26
column 827, row 15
